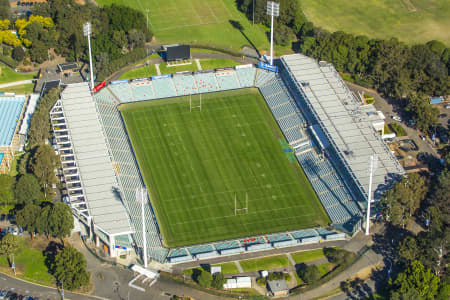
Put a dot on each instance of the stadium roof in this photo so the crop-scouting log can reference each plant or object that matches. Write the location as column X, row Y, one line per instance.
column 346, row 123
column 92, row 157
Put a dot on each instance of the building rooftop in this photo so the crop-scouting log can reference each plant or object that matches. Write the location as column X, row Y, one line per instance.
column 100, row 185
column 347, row 124
column 277, row 285
column 10, row 110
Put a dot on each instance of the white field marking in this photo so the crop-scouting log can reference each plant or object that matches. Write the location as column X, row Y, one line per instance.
column 212, row 12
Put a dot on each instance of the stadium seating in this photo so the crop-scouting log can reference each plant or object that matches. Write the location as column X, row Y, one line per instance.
column 122, row 91
column 227, row 245
column 206, row 82
column 164, row 88
column 142, row 90
column 10, row 109
column 278, row 237
column 304, row 234
column 246, row 77
column 262, row 76
column 200, row 249
column 185, row 85
column 105, row 96
column 227, row 80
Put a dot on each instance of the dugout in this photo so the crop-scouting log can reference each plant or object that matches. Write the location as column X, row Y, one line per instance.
column 176, row 52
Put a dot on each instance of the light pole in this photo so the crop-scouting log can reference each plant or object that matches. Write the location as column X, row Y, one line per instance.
column 13, row 265
column 87, row 30
column 253, row 7
column 273, row 10
column 141, row 197
column 373, row 166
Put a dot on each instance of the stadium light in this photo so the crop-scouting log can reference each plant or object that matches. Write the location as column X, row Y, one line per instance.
column 141, row 197
column 273, row 10
column 87, row 30
column 373, row 167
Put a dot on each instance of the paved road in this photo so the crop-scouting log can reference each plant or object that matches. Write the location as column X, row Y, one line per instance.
column 20, row 287
column 5, row 85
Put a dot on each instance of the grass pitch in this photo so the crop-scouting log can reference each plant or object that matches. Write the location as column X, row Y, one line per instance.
column 194, row 163
column 197, row 21
column 411, row 21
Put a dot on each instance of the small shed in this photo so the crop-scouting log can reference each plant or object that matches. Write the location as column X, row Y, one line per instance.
column 68, row 68
column 278, row 287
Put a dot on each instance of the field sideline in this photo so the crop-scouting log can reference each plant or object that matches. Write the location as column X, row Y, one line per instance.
column 411, row 21
column 194, row 163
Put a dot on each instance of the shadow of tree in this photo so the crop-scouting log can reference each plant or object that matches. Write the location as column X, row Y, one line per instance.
column 50, row 253
column 237, row 25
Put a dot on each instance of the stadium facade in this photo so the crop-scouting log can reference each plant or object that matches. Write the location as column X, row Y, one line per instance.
column 330, row 132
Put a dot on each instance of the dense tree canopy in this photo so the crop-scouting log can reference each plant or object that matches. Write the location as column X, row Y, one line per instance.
column 43, row 163
column 70, row 268
column 6, row 189
column 28, row 218
column 28, row 190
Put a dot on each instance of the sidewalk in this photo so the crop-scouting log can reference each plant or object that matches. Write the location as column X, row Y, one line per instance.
column 14, row 83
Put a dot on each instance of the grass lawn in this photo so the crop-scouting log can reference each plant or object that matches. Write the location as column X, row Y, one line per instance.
column 197, row 21
column 170, row 70
column 19, row 89
column 217, row 63
column 229, row 268
column 30, row 265
column 8, row 75
column 146, row 71
column 411, row 21
column 325, row 268
column 306, row 256
column 195, row 163
column 265, row 263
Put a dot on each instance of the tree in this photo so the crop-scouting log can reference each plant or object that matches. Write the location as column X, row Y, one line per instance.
column 9, row 245
column 5, row 10
column 204, row 279
column 283, row 35
column 28, row 217
column 38, row 52
column 43, row 164
column 69, row 268
column 42, row 222
column 408, row 249
column 28, row 189
column 310, row 274
column 403, row 199
column 60, row 220
column 218, row 281
column 338, row 256
column 415, row 280
column 18, row 53
column 423, row 114
column 6, row 192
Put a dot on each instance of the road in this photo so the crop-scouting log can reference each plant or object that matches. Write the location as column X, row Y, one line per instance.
column 8, row 84
column 20, row 287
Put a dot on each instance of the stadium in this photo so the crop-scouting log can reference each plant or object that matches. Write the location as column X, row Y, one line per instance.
column 232, row 160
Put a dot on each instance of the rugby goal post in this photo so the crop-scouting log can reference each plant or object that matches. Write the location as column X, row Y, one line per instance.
column 195, row 106
column 244, row 209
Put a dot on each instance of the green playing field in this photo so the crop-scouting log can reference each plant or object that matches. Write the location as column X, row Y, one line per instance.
column 195, row 164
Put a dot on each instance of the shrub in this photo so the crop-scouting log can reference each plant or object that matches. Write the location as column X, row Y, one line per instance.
column 218, row 281
column 18, row 53
column 337, row 256
column 309, row 274
column 261, row 281
column 398, row 129
column 204, row 279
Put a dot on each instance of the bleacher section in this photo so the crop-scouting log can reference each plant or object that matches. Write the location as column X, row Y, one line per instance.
column 332, row 192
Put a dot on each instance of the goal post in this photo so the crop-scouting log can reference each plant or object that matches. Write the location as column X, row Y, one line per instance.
column 195, row 106
column 241, row 209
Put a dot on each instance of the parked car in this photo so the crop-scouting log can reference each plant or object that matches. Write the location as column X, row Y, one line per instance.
column 397, row 118
column 423, row 137
column 442, row 115
column 3, row 294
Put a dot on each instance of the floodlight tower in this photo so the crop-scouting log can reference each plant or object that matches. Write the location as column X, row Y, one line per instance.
column 273, row 10
column 87, row 30
column 141, row 197
column 373, row 166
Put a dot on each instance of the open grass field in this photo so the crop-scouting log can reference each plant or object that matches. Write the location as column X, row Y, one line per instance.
column 8, row 75
column 411, row 21
column 19, row 89
column 264, row 263
column 307, row 256
column 194, row 163
column 197, row 21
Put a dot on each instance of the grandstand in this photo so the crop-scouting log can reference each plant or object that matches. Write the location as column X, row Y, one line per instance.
column 327, row 138
column 11, row 112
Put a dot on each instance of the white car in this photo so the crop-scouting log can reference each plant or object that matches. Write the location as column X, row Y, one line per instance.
column 396, row 118
column 3, row 294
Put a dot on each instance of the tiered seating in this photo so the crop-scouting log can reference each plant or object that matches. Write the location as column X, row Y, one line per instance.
column 200, row 249
column 293, row 134
column 10, row 109
column 206, row 82
column 246, row 76
column 304, row 234
column 105, row 96
column 263, row 76
column 283, row 110
column 178, row 252
column 185, row 85
column 227, row 80
column 122, row 92
column 142, row 90
column 164, row 88
column 253, row 240
column 227, row 245
column 278, row 237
